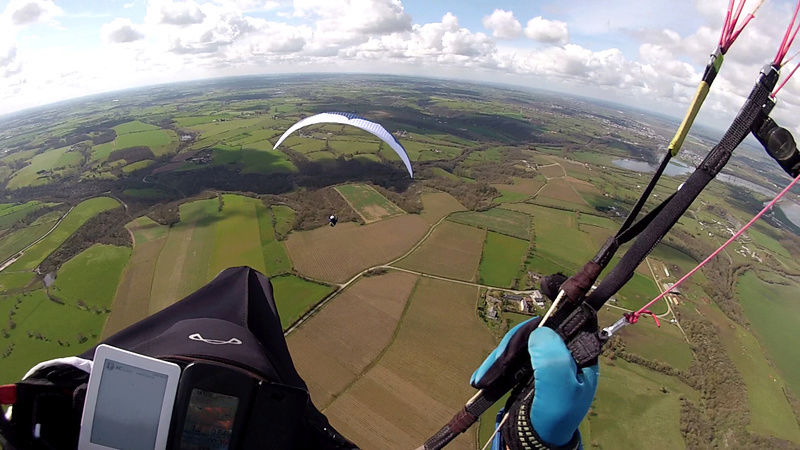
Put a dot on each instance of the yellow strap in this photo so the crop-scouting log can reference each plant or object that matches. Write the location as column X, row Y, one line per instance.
column 683, row 130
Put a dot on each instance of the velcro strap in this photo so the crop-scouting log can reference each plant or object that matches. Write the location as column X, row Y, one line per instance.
column 579, row 284
column 585, row 348
column 582, row 315
column 462, row 421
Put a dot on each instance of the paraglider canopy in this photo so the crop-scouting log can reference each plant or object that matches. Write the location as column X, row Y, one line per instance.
column 358, row 122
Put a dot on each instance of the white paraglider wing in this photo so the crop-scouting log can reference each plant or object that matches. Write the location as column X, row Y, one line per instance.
column 356, row 121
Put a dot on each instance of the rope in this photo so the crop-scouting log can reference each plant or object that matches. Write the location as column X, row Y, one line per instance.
column 643, row 310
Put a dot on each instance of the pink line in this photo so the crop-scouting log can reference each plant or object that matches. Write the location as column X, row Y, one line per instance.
column 781, row 50
column 732, row 25
column 791, row 40
column 775, row 92
column 722, row 38
column 716, row 252
column 737, row 32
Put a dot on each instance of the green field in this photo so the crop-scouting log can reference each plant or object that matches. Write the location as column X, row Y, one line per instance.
column 77, row 217
column 637, row 292
column 510, row 197
column 559, row 244
column 12, row 243
column 70, row 321
column 294, row 296
column 767, row 242
column 159, row 141
column 367, row 202
column 635, row 394
column 773, row 312
column 501, row 260
column 138, row 165
column 134, row 127
column 770, row 412
column 46, row 167
column 10, row 281
column 284, row 219
column 253, row 161
column 92, row 276
column 276, row 261
column 10, row 213
column 213, row 235
column 511, row 223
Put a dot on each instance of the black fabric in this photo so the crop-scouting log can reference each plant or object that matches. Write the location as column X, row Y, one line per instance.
column 47, row 398
column 237, row 304
column 239, row 295
column 551, row 284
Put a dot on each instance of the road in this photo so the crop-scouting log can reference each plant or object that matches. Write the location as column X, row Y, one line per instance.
column 390, row 266
column 666, row 300
column 19, row 254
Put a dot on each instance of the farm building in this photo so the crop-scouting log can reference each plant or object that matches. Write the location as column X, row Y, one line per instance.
column 668, row 287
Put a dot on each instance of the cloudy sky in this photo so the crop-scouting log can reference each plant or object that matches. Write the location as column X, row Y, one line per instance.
column 644, row 53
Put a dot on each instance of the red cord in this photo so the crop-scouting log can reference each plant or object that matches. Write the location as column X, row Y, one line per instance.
column 643, row 310
column 786, row 43
column 729, row 30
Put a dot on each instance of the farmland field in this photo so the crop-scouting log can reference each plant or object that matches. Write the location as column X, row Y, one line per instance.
column 523, row 186
column 501, row 260
column 367, row 202
column 452, row 250
column 633, row 392
column 770, row 412
column 503, row 221
column 333, row 348
column 284, row 219
column 436, row 205
column 770, row 309
column 52, row 162
column 44, row 330
column 169, row 263
column 506, row 182
column 337, row 253
column 132, row 300
column 422, row 379
column 85, row 286
column 80, row 214
column 15, row 241
column 10, row 212
column 552, row 171
column 294, row 296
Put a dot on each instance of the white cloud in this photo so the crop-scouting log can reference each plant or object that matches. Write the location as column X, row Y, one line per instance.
column 170, row 12
column 363, row 16
column 503, row 24
column 550, row 31
column 201, row 38
column 120, row 31
column 26, row 12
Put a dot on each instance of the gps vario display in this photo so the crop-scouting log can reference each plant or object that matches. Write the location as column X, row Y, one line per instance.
column 219, row 407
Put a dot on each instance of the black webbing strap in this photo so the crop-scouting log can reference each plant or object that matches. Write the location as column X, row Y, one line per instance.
column 683, row 198
column 637, row 207
column 629, row 229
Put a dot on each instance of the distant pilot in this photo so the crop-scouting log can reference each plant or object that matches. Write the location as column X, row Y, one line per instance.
column 333, row 219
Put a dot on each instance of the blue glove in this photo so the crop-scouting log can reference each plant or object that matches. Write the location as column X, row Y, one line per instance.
column 562, row 395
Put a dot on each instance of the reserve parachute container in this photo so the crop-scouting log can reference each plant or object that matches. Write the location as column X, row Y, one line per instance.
column 358, row 122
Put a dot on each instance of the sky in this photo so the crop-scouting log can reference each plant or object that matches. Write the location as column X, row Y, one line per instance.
column 649, row 54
